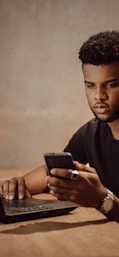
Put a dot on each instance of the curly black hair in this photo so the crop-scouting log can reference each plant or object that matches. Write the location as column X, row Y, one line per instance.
column 101, row 48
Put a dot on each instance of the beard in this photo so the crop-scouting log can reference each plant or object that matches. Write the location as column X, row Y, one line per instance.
column 113, row 117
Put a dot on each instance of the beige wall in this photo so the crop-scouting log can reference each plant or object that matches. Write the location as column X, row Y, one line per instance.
column 42, row 98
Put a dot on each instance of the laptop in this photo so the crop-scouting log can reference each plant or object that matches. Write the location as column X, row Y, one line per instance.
column 30, row 208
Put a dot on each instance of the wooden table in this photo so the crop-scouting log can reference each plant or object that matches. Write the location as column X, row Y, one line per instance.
column 83, row 232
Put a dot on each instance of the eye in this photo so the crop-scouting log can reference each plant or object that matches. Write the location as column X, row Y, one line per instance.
column 112, row 84
column 89, row 85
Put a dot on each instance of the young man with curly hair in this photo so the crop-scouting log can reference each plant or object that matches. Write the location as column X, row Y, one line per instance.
column 96, row 142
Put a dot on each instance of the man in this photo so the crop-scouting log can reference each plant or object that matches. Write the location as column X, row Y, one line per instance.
column 96, row 143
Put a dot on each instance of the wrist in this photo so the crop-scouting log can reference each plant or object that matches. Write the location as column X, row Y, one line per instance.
column 107, row 202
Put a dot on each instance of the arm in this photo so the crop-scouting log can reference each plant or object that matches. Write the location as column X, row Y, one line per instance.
column 35, row 180
column 31, row 183
column 86, row 191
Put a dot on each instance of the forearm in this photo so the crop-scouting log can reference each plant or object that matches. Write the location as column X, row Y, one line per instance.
column 35, row 180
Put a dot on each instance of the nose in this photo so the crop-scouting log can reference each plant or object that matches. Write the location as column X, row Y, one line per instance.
column 100, row 93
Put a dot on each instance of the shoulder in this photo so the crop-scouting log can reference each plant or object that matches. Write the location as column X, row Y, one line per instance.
column 88, row 128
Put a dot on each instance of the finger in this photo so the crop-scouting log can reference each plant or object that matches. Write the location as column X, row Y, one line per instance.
column 62, row 194
column 62, row 183
column 21, row 188
column 5, row 189
column 12, row 187
column 67, row 174
column 62, row 173
column 57, row 193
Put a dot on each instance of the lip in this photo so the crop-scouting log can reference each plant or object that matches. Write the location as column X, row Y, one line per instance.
column 102, row 108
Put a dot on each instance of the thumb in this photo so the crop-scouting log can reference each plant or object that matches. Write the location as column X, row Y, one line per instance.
column 79, row 166
column 83, row 167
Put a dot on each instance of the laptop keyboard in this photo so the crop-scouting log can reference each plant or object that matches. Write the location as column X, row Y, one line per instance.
column 25, row 206
column 26, row 209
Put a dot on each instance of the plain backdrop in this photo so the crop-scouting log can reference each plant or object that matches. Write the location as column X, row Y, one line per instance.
column 42, row 97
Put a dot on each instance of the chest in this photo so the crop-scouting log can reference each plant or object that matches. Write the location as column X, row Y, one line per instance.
column 109, row 148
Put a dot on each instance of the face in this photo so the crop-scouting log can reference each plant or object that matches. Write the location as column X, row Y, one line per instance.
column 102, row 90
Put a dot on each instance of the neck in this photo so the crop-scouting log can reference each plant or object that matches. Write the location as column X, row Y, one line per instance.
column 114, row 126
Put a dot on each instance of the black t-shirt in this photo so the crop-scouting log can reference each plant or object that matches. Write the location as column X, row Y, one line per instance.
column 93, row 143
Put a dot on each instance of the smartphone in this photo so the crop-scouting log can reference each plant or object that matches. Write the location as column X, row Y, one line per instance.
column 61, row 160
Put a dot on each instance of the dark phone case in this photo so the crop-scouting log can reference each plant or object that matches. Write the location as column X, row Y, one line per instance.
column 59, row 160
